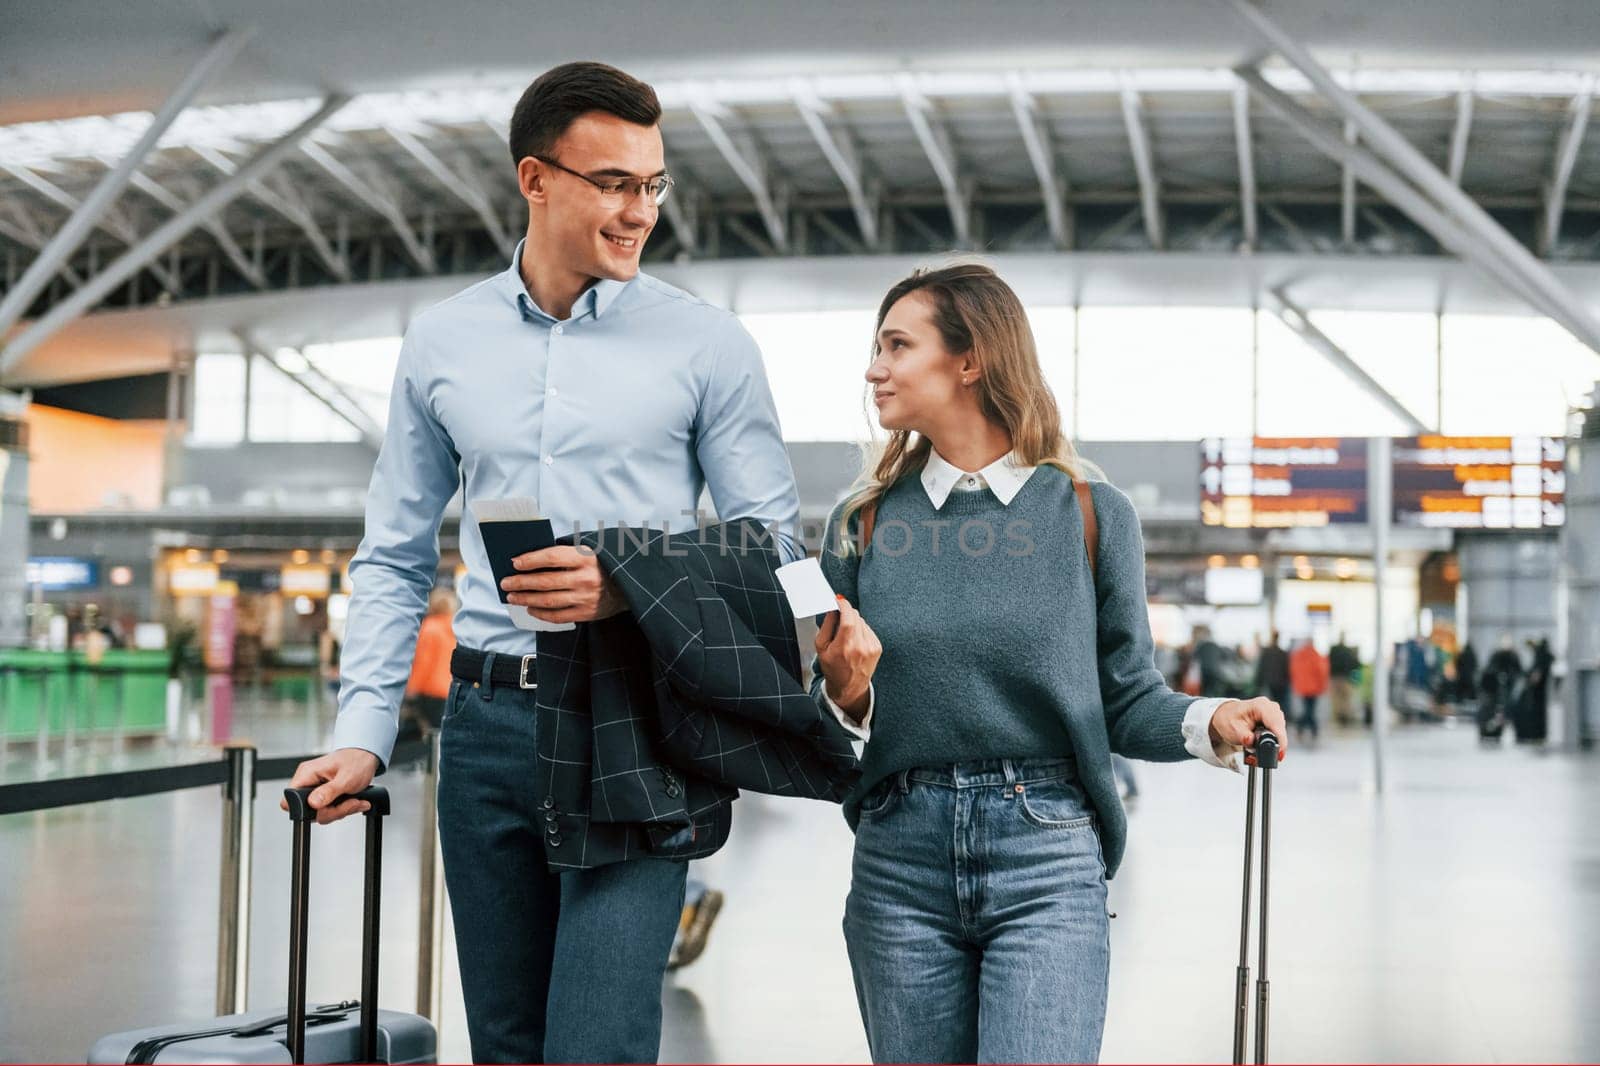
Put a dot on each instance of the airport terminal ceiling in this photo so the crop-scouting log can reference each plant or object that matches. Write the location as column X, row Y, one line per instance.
column 82, row 57
column 1094, row 150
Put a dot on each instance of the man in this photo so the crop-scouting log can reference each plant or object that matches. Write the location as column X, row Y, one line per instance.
column 1272, row 672
column 1498, row 688
column 1209, row 655
column 1532, row 722
column 1343, row 663
column 1467, row 674
column 610, row 397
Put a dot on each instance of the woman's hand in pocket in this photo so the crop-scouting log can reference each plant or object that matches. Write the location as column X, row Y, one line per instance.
column 848, row 651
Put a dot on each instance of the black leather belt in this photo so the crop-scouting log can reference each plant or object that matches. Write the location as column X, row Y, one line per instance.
column 512, row 671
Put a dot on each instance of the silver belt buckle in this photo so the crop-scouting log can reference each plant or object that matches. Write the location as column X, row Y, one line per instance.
column 522, row 677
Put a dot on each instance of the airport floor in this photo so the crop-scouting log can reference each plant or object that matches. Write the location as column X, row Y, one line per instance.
column 1453, row 917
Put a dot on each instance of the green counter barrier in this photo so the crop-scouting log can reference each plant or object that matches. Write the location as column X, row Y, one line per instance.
column 71, row 693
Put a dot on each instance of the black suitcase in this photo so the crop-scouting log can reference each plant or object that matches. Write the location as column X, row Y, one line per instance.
column 1264, row 747
column 351, row 1031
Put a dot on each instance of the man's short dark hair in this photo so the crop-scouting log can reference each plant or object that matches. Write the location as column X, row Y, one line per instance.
column 554, row 101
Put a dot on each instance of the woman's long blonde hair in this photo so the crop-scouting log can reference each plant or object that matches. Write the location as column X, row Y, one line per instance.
column 974, row 312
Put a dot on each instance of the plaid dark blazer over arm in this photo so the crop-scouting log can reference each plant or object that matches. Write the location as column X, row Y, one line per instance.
column 725, row 666
column 650, row 721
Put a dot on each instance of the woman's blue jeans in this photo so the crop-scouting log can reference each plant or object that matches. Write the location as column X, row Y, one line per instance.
column 976, row 921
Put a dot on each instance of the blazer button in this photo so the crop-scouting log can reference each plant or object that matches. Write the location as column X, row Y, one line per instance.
column 548, row 803
column 552, row 817
column 555, row 840
column 674, row 791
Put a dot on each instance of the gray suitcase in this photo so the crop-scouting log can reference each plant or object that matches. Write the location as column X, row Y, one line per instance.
column 352, row 1031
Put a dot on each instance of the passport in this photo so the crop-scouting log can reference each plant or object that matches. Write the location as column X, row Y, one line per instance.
column 509, row 528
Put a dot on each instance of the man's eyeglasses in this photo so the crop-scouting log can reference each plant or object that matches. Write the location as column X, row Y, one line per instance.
column 620, row 190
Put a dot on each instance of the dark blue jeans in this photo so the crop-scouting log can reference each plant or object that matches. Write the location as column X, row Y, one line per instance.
column 554, row 967
column 976, row 921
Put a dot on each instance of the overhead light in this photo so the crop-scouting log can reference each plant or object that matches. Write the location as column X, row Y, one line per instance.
column 1216, row 561
column 300, row 556
column 1250, row 562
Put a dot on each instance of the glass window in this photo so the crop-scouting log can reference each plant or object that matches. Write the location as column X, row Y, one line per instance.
column 282, row 410
column 816, row 364
column 1506, row 375
column 1163, row 373
column 1052, row 334
column 218, row 416
column 1304, row 395
column 1399, row 350
column 364, row 369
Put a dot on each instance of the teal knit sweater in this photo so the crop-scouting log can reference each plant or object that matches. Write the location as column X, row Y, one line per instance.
column 998, row 644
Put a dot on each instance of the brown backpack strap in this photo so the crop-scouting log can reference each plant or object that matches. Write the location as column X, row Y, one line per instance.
column 1091, row 528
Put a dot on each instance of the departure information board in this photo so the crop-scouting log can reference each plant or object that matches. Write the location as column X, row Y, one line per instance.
column 1267, row 482
column 1480, row 482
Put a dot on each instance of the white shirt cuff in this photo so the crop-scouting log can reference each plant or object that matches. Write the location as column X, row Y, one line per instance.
column 1197, row 736
column 861, row 730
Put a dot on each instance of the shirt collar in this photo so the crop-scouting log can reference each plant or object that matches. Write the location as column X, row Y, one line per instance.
column 594, row 300
column 1005, row 477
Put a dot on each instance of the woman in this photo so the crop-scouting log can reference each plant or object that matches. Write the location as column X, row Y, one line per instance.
column 987, row 818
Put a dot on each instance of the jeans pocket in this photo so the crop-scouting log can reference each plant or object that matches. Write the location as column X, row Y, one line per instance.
column 1055, row 805
column 881, row 800
column 460, row 692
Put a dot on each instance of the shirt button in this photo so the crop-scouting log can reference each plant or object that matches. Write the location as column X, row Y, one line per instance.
column 549, row 460
column 551, row 391
column 558, row 329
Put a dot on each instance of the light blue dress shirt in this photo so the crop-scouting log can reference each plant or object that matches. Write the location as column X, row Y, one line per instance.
column 619, row 415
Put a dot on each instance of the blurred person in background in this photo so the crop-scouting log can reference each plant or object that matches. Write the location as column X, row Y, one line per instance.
column 987, row 818
column 1169, row 661
column 1187, row 678
column 1308, row 676
column 1467, row 674
column 1532, row 721
column 1502, row 673
column 1343, row 665
column 1272, row 671
column 429, row 684
column 1209, row 656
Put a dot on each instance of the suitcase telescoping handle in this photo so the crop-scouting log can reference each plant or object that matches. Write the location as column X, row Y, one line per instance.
column 303, row 817
column 1264, row 746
